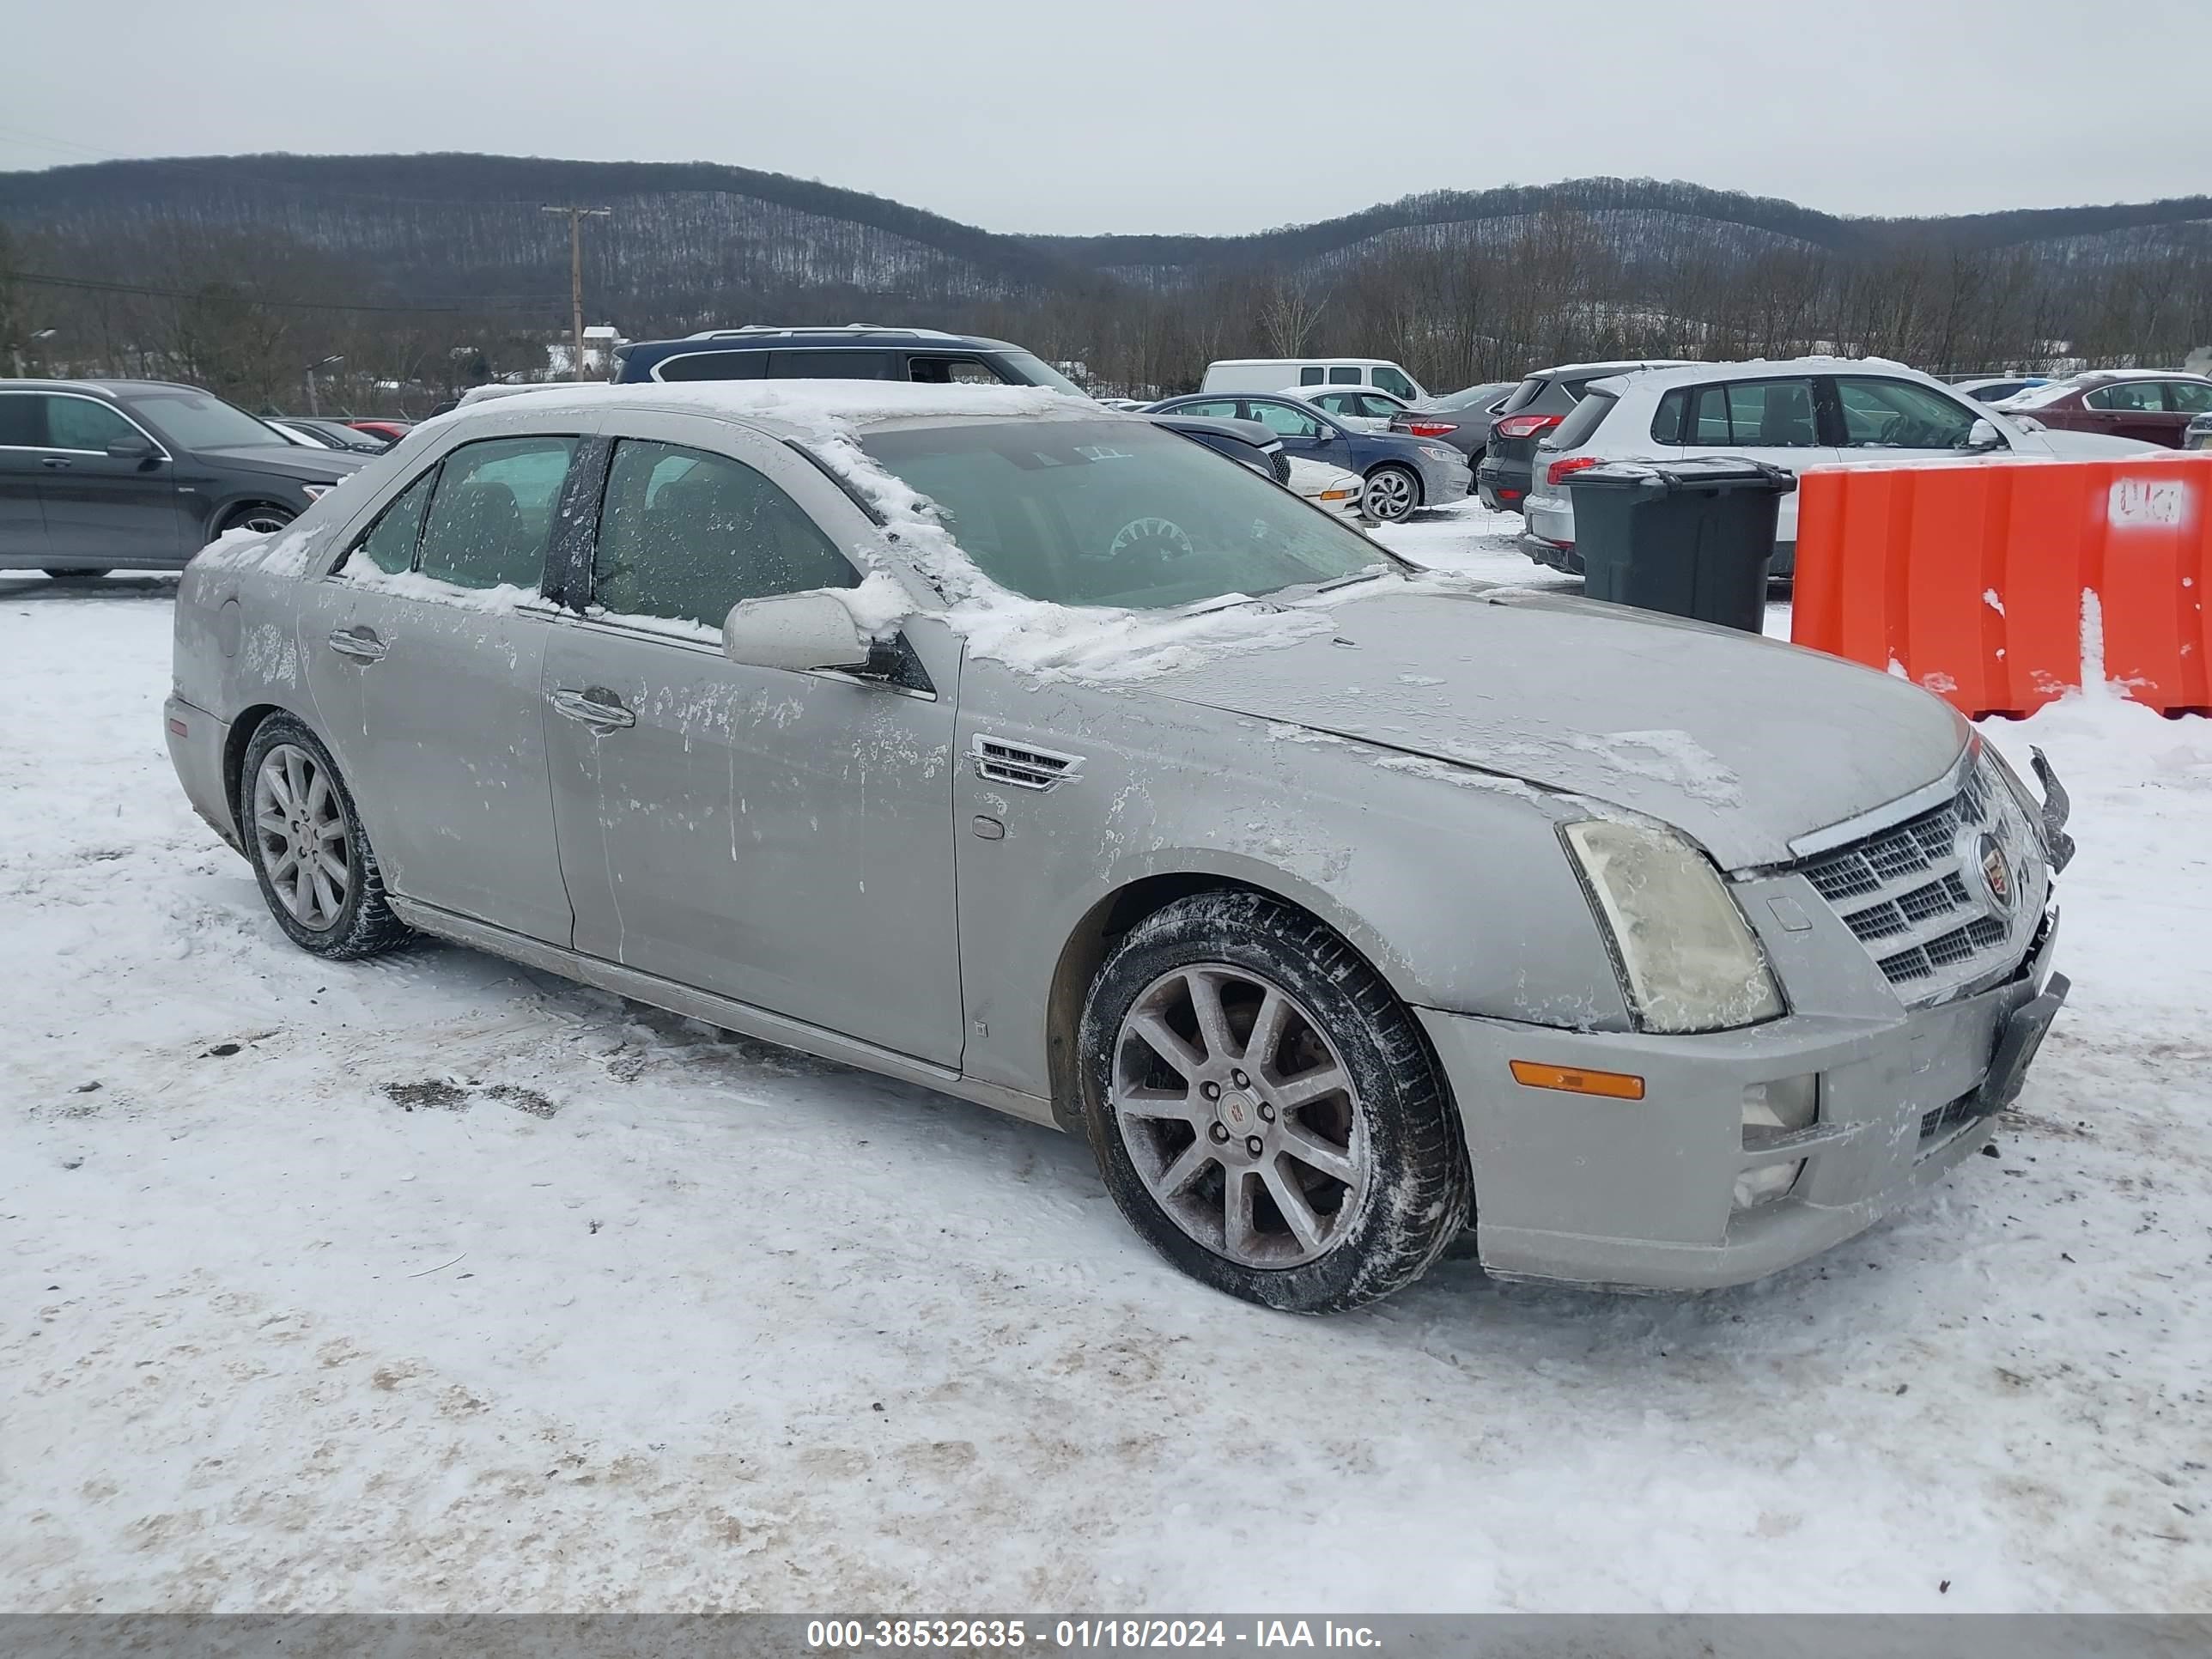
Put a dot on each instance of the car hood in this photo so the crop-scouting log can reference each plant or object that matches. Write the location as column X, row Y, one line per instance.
column 1744, row 744
column 289, row 461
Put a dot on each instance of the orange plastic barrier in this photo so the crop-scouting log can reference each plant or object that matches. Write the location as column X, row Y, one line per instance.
column 1992, row 583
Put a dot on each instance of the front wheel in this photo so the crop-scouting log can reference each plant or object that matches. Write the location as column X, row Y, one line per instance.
column 310, row 855
column 260, row 517
column 1264, row 1109
column 1391, row 495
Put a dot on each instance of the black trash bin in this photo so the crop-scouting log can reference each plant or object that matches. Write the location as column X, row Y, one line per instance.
column 1690, row 537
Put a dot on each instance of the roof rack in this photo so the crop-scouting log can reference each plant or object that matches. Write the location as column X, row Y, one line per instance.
column 759, row 329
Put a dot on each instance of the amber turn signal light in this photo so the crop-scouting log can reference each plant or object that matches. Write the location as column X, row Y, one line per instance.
column 1614, row 1085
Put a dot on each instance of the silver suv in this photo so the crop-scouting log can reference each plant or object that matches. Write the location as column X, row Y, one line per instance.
column 1005, row 745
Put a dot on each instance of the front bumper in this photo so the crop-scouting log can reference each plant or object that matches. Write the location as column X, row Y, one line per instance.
column 1639, row 1194
column 197, row 742
column 1444, row 481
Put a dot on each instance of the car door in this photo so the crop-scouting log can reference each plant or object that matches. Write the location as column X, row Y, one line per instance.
column 22, row 524
column 106, row 489
column 783, row 839
column 1301, row 431
column 2133, row 409
column 2188, row 400
column 1776, row 421
column 425, row 649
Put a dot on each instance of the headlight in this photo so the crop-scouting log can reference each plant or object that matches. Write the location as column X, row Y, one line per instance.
column 1996, row 769
column 1687, row 958
column 1438, row 453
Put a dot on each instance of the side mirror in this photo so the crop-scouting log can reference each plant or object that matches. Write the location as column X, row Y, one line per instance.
column 814, row 629
column 131, row 449
column 1983, row 435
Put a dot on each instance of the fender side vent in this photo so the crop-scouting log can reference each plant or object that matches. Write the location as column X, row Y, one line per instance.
column 1020, row 766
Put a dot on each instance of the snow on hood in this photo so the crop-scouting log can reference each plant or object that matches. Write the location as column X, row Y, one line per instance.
column 1743, row 743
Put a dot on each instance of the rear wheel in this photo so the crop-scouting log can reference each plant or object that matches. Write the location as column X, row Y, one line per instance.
column 310, row 854
column 1264, row 1109
column 1392, row 492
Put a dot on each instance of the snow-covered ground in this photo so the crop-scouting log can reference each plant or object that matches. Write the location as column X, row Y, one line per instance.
column 433, row 1283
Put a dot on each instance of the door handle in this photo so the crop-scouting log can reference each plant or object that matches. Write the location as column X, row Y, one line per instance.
column 55, row 463
column 359, row 643
column 595, row 706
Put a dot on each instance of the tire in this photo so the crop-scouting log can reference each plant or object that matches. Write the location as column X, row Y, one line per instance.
column 255, row 515
column 1392, row 493
column 338, row 911
column 77, row 576
column 1344, row 1111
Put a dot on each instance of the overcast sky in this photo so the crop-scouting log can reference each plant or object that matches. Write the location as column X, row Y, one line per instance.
column 1137, row 115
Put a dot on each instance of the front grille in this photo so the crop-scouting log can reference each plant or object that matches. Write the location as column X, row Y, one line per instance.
column 1915, row 896
column 1963, row 1109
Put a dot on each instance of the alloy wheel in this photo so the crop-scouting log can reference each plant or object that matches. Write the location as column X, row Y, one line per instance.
column 1240, row 1115
column 1390, row 495
column 300, row 835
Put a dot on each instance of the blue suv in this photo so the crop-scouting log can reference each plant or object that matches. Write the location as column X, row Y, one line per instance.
column 859, row 351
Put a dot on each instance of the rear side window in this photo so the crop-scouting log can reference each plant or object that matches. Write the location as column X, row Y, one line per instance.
column 831, row 366
column 1219, row 407
column 390, row 543
column 2137, row 397
column 1344, row 377
column 1309, row 375
column 684, row 535
column 21, row 427
column 491, row 512
column 1753, row 414
column 952, row 371
column 1580, row 426
column 714, row 366
column 1391, row 381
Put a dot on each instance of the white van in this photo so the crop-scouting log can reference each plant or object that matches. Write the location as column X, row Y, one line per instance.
column 1274, row 374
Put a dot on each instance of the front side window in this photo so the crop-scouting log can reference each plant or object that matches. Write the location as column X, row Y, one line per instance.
column 1282, row 419
column 1882, row 414
column 684, row 535
column 80, row 423
column 1391, row 381
column 952, row 371
column 2189, row 396
column 833, row 365
column 1344, row 377
column 491, row 513
column 2128, row 396
column 1099, row 513
column 391, row 542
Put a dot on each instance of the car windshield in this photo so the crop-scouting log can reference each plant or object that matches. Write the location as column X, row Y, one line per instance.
column 1041, row 373
column 1117, row 513
column 2037, row 396
column 198, row 420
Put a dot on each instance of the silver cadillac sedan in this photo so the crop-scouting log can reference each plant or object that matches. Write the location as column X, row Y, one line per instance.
column 996, row 741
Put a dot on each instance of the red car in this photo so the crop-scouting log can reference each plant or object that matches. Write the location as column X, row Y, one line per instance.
column 393, row 431
column 2154, row 405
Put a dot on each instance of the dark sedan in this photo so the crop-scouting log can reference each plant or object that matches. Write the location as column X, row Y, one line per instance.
column 1400, row 472
column 1535, row 407
column 139, row 475
column 1460, row 419
column 2154, row 405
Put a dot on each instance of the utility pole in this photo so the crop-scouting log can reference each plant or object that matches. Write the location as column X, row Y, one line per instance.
column 576, row 216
